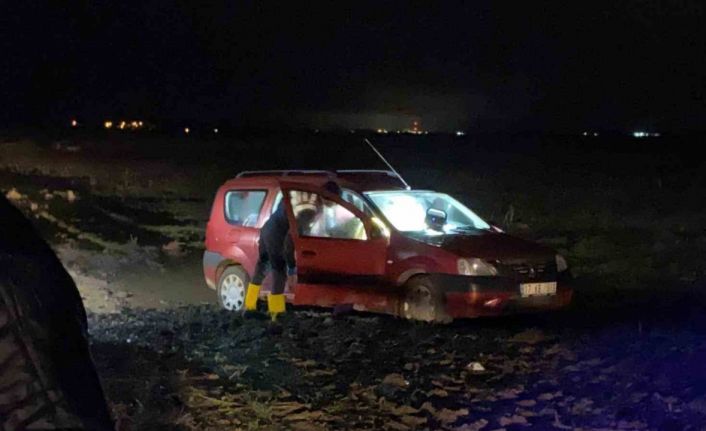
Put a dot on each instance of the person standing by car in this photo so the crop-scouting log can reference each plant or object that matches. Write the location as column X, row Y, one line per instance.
column 276, row 251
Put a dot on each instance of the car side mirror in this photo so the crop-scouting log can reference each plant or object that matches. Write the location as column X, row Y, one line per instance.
column 435, row 219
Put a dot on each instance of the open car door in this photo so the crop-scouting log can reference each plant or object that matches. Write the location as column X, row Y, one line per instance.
column 336, row 245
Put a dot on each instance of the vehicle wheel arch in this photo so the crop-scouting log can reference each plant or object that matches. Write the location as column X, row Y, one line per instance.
column 408, row 274
column 224, row 264
column 416, row 266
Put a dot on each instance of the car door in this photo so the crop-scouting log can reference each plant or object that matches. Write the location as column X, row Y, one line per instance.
column 335, row 243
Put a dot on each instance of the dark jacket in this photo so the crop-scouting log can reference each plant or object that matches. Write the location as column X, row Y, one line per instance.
column 276, row 238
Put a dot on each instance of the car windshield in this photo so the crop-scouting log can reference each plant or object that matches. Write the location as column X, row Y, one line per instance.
column 407, row 211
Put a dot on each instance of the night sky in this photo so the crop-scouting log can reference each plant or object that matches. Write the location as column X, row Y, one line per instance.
column 553, row 66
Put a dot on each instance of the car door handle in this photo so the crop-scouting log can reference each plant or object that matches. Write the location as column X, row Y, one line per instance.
column 308, row 253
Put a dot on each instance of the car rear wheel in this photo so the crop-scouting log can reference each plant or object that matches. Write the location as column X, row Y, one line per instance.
column 232, row 288
column 423, row 300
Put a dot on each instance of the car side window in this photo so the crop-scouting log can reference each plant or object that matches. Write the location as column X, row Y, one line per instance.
column 278, row 200
column 242, row 207
column 319, row 217
column 354, row 199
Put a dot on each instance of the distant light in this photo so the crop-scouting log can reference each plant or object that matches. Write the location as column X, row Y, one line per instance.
column 595, row 133
column 641, row 134
column 187, row 130
column 139, row 123
column 74, row 123
column 382, row 131
column 122, row 125
column 215, row 131
column 460, row 133
column 108, row 124
column 585, row 133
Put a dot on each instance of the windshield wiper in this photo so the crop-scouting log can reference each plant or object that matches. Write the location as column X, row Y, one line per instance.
column 467, row 228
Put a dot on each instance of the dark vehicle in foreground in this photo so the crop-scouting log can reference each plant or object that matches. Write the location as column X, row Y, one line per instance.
column 47, row 376
column 380, row 247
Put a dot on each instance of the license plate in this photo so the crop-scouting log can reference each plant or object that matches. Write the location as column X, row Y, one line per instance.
column 538, row 289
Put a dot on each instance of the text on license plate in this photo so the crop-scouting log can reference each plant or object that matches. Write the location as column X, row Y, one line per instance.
column 538, row 289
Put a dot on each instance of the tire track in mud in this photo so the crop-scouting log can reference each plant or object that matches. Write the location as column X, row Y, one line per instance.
column 67, row 208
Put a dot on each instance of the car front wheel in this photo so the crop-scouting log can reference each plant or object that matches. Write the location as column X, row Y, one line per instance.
column 232, row 287
column 424, row 300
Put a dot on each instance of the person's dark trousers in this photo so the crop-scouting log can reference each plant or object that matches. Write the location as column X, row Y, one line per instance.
column 271, row 257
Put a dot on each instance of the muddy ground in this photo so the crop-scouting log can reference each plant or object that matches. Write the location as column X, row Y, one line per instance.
column 201, row 368
column 126, row 216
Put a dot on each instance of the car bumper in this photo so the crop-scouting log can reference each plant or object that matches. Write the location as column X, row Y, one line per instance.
column 493, row 296
column 211, row 260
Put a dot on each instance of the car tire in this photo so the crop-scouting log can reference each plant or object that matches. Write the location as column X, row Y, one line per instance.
column 232, row 288
column 423, row 300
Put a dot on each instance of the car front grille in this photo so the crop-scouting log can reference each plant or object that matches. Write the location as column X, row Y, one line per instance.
column 527, row 270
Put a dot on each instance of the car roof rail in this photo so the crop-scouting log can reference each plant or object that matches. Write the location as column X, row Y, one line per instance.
column 319, row 172
column 284, row 173
column 366, row 171
column 385, row 172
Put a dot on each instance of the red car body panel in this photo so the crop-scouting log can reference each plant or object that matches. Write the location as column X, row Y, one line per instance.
column 368, row 274
column 362, row 298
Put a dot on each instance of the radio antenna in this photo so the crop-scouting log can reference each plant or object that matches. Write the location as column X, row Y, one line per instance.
column 387, row 163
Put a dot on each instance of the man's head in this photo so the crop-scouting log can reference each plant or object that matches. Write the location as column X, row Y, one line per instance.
column 305, row 220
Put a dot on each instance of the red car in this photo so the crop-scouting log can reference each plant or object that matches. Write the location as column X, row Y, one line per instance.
column 379, row 247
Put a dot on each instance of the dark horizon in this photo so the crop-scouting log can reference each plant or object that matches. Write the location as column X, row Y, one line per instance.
column 486, row 67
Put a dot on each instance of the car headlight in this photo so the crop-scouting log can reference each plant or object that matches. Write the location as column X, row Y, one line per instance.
column 476, row 267
column 561, row 264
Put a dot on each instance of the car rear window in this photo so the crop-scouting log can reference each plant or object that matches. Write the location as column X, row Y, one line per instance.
column 242, row 207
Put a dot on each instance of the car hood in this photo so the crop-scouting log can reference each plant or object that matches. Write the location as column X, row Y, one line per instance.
column 494, row 246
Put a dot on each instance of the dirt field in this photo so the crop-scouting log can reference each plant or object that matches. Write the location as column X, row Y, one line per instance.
column 126, row 215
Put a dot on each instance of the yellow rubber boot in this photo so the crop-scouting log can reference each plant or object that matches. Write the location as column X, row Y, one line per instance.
column 251, row 297
column 275, row 305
